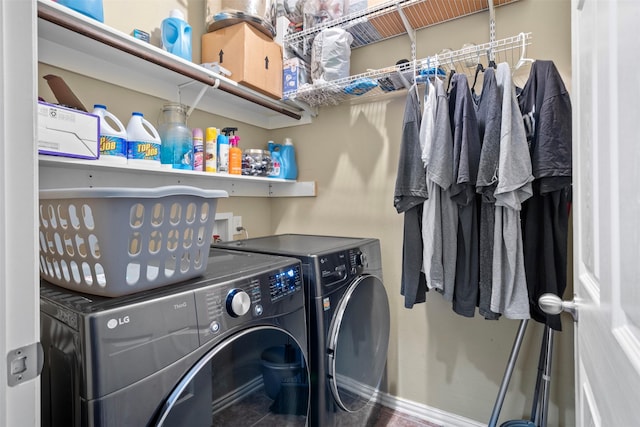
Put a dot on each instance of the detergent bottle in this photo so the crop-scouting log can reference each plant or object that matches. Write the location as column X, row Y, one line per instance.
column 288, row 155
column 113, row 140
column 90, row 8
column 176, row 35
column 277, row 168
column 143, row 142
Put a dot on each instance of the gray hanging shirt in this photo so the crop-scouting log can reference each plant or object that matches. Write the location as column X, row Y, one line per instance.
column 509, row 294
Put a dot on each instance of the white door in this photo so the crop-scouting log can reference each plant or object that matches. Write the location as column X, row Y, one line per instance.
column 19, row 293
column 606, row 147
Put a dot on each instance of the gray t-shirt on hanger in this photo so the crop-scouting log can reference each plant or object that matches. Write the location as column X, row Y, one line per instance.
column 466, row 157
column 489, row 115
column 509, row 294
column 440, row 213
column 409, row 195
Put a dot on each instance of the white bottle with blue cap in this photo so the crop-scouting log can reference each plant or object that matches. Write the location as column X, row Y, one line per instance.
column 143, row 142
column 113, row 139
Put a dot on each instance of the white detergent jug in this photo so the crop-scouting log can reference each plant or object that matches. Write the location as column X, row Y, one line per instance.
column 113, row 141
column 143, row 146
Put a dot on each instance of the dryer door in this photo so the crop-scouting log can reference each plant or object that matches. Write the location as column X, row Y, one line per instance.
column 358, row 342
column 259, row 374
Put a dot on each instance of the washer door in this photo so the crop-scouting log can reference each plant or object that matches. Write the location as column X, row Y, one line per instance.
column 358, row 343
column 259, row 374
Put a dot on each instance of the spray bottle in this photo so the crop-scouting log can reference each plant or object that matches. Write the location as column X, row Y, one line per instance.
column 223, row 150
column 235, row 156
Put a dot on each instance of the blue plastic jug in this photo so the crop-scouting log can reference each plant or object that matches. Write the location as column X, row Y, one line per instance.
column 285, row 152
column 91, row 8
column 289, row 156
column 176, row 35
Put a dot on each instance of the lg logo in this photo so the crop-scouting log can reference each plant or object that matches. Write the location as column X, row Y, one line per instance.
column 114, row 323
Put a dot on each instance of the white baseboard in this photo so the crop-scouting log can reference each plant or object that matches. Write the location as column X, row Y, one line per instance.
column 425, row 412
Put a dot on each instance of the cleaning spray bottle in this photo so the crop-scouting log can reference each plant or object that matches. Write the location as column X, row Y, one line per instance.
column 223, row 150
column 235, row 156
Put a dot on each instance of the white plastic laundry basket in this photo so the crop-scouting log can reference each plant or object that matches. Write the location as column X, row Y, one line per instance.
column 117, row 241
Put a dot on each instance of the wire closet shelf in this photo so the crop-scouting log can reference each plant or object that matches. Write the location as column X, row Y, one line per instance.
column 384, row 20
column 511, row 50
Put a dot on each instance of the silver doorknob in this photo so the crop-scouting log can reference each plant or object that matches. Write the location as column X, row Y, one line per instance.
column 553, row 304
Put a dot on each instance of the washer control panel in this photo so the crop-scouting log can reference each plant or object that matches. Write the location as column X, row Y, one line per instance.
column 284, row 282
column 229, row 305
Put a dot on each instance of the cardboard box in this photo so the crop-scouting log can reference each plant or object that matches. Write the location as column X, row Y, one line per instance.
column 253, row 58
column 67, row 132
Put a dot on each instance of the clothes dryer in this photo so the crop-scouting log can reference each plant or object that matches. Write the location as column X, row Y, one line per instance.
column 200, row 353
column 347, row 314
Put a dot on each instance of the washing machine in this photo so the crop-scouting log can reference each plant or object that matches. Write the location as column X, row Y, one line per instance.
column 226, row 348
column 347, row 314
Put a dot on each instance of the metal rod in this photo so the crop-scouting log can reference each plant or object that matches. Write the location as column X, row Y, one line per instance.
column 536, row 406
column 547, row 380
column 497, row 407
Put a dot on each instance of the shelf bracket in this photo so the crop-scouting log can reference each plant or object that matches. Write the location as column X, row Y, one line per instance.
column 313, row 111
column 198, row 97
column 411, row 32
column 492, row 31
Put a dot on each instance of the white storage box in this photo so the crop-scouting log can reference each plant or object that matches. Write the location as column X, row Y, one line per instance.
column 116, row 241
column 67, row 132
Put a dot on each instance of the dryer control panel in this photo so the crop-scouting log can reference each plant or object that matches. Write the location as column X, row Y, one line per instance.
column 336, row 267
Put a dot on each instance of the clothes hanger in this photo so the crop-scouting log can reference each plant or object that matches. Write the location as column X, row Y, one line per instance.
column 523, row 48
column 479, row 68
column 451, row 73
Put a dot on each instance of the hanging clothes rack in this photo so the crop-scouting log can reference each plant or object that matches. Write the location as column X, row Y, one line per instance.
column 389, row 79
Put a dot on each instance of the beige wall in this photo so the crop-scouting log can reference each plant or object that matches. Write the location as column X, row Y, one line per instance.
column 436, row 358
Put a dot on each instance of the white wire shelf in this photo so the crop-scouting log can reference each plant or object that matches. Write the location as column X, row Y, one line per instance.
column 511, row 50
column 384, row 21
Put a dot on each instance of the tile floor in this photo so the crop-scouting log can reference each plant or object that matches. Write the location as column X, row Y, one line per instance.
column 251, row 413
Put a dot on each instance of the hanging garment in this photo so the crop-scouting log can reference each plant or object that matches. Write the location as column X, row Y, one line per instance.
column 429, row 212
column 428, row 120
column 440, row 213
column 466, row 157
column 509, row 294
column 409, row 195
column 546, row 108
column 489, row 115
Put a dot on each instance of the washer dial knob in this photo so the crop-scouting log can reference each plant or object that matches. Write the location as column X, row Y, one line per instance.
column 238, row 302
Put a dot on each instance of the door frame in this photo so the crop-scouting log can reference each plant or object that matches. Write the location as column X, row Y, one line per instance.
column 19, row 286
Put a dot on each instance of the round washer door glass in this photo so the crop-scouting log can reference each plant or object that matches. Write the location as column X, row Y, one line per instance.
column 256, row 377
column 358, row 343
